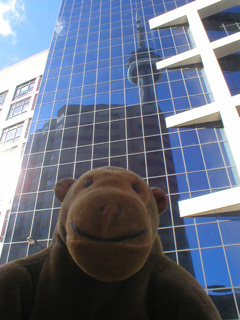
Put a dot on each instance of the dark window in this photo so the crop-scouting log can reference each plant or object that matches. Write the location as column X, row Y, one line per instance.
column 174, row 161
column 71, row 121
column 48, row 178
column 102, row 116
column 135, row 145
column 101, row 150
column 22, row 227
column 137, row 164
column 178, row 183
column 155, row 164
column 54, row 140
column 17, row 251
column 67, row 155
column 190, row 260
column 118, row 148
column 119, row 162
column 85, row 135
column 100, row 163
column 186, row 237
column 117, row 130
column 101, row 132
column 44, row 200
column 224, row 301
column 84, row 153
column 69, row 138
column 35, row 160
column 86, row 118
column 134, row 128
column 153, row 143
column 81, row 168
column 54, row 221
column 10, row 226
column 166, row 236
column 151, row 125
column 51, row 158
column 41, row 225
column 4, row 254
column 117, row 113
column 31, row 180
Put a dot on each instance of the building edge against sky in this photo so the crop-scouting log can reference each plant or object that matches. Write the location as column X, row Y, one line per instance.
column 103, row 102
column 15, row 118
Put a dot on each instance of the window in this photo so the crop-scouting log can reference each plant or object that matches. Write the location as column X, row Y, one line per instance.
column 24, row 89
column 18, row 108
column 11, row 134
column 2, row 97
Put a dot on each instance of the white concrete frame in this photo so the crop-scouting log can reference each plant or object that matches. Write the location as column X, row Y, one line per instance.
column 224, row 106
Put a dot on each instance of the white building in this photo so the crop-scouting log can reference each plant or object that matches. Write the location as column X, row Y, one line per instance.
column 19, row 85
column 225, row 107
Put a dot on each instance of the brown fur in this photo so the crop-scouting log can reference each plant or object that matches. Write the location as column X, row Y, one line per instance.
column 105, row 260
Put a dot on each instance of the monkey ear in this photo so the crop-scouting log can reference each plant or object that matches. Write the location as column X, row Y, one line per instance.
column 62, row 187
column 161, row 199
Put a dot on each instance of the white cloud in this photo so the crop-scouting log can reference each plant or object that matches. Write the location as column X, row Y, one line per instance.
column 11, row 12
column 59, row 25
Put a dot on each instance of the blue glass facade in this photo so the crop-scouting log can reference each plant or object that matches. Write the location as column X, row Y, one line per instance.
column 102, row 102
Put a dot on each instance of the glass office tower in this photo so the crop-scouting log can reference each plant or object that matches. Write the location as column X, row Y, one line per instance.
column 103, row 102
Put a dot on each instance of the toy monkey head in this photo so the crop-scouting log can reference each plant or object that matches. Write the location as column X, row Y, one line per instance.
column 109, row 220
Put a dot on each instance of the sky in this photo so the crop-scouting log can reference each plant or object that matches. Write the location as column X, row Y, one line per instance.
column 26, row 28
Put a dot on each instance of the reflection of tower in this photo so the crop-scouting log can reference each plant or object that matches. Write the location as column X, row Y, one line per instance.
column 142, row 72
column 142, row 65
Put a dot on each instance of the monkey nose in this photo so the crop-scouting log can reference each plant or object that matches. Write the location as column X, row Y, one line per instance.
column 110, row 209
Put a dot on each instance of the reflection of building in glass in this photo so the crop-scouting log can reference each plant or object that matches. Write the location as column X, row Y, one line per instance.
column 142, row 72
column 18, row 92
column 89, row 114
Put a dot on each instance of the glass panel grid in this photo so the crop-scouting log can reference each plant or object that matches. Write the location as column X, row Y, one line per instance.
column 98, row 107
column 223, row 24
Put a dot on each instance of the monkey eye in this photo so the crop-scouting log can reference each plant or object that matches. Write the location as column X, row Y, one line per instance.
column 88, row 182
column 135, row 188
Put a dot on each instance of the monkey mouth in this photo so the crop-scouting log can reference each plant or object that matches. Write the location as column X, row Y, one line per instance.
column 108, row 240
